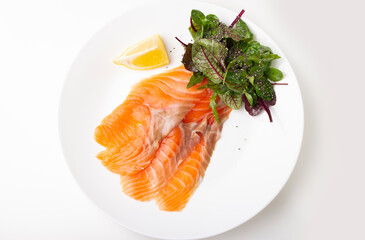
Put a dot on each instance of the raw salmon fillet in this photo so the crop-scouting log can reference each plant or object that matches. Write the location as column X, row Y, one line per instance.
column 161, row 138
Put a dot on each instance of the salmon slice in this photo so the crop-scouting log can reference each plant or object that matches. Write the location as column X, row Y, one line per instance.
column 176, row 192
column 133, row 132
column 145, row 184
column 179, row 144
column 161, row 138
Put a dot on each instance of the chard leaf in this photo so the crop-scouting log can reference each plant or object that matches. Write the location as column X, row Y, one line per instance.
column 209, row 58
column 195, row 79
column 274, row 74
column 232, row 99
column 187, row 59
column 212, row 105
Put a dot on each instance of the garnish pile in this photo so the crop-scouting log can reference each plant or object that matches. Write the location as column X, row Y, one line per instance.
column 237, row 67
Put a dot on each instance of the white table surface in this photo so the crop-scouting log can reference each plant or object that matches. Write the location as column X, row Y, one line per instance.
column 323, row 40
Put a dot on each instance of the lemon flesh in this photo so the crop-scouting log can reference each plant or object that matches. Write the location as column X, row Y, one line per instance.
column 147, row 54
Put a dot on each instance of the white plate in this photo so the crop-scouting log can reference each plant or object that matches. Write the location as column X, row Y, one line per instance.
column 250, row 165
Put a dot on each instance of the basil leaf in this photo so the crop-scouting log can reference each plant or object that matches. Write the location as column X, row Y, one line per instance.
column 209, row 58
column 212, row 105
column 232, row 99
column 195, row 79
column 274, row 74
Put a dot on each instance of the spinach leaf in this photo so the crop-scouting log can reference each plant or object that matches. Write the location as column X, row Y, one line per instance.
column 212, row 18
column 216, row 87
column 274, row 74
column 251, row 95
column 264, row 89
column 212, row 105
column 209, row 58
column 243, row 30
column 197, row 16
column 235, row 79
column 222, row 31
column 231, row 99
column 237, row 49
column 195, row 79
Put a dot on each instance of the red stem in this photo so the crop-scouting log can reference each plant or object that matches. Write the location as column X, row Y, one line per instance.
column 237, row 18
column 267, row 109
column 192, row 25
column 279, row 83
column 181, row 42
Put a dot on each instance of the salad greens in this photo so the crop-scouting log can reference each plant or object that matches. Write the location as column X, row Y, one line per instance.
column 236, row 66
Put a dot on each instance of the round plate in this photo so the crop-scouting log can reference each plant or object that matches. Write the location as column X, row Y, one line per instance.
column 251, row 163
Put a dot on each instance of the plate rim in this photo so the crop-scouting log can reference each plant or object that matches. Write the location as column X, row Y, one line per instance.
column 60, row 110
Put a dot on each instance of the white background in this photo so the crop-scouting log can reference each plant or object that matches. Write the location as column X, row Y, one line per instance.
column 323, row 40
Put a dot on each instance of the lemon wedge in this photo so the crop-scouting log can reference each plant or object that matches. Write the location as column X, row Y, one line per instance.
column 147, row 54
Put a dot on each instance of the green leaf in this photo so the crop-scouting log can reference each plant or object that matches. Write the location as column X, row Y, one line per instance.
column 235, row 79
column 253, row 48
column 197, row 16
column 264, row 89
column 251, row 96
column 212, row 105
column 209, row 58
column 232, row 99
column 251, row 79
column 274, row 74
column 192, row 32
column 237, row 33
column 212, row 17
column 195, row 79
column 263, row 58
column 236, row 50
column 198, row 34
column 243, row 30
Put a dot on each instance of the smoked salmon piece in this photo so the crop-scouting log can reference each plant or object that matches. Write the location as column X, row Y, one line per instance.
column 176, row 192
column 161, row 138
column 132, row 133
